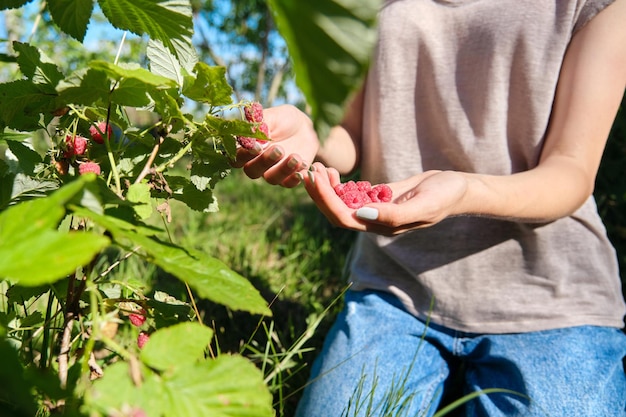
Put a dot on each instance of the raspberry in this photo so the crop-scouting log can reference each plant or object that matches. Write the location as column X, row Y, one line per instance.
column 142, row 339
column 380, row 193
column 245, row 142
column 355, row 199
column 75, row 145
column 95, row 132
column 356, row 194
column 253, row 112
column 137, row 319
column 86, row 167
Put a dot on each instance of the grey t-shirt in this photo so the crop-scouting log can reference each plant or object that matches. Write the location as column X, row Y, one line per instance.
column 468, row 85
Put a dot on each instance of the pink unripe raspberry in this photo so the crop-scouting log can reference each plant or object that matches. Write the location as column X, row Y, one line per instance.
column 137, row 319
column 253, row 112
column 95, row 132
column 90, row 166
column 245, row 142
column 142, row 339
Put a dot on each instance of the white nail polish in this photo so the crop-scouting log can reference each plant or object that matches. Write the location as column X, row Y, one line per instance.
column 367, row 213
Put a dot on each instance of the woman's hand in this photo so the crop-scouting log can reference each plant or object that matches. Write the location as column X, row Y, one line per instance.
column 292, row 149
column 419, row 201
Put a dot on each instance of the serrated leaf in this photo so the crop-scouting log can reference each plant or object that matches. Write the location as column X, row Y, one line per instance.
column 198, row 200
column 71, row 16
column 86, row 87
column 172, row 65
column 130, row 92
column 163, row 20
column 48, row 256
column 22, row 102
column 134, row 71
column 209, row 85
column 228, row 386
column 211, row 389
column 12, row 4
column 330, row 42
column 24, row 187
column 36, row 66
column 208, row 173
column 140, row 195
column 32, row 217
column 208, row 276
column 27, row 158
column 28, row 232
column 176, row 346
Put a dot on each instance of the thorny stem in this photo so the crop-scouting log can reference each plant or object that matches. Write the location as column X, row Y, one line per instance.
column 107, row 142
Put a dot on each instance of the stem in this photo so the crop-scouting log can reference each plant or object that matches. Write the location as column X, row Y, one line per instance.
column 153, row 155
column 175, row 158
column 107, row 142
column 37, row 20
column 43, row 363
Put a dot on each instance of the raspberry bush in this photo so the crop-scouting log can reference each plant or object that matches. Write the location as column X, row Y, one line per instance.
column 80, row 179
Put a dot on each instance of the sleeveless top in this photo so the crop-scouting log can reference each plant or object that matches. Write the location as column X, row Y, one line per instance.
column 468, row 85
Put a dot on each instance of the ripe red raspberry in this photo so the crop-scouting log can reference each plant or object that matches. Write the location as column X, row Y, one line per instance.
column 137, row 319
column 90, row 166
column 380, row 193
column 75, row 145
column 253, row 112
column 357, row 194
column 142, row 339
column 95, row 133
column 355, row 199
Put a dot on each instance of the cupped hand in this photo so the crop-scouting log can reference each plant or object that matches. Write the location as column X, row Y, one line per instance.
column 290, row 152
column 419, row 201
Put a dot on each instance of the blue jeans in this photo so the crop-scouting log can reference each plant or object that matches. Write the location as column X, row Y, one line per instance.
column 379, row 360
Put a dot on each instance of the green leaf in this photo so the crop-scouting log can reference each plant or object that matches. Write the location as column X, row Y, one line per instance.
column 140, row 195
column 130, row 92
column 71, row 16
column 21, row 187
column 198, row 200
column 330, row 42
column 166, row 21
column 27, row 158
column 206, row 174
column 134, row 71
column 228, row 386
column 210, row 277
column 208, row 86
column 36, row 66
column 22, row 102
column 172, row 65
column 33, row 252
column 177, row 345
column 85, row 87
column 18, row 137
column 15, row 390
column 13, row 4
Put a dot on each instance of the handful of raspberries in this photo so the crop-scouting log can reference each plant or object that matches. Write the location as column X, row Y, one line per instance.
column 357, row 194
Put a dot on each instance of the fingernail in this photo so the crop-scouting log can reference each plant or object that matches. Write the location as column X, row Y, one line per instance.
column 293, row 162
column 311, row 177
column 300, row 176
column 367, row 213
column 312, row 168
column 256, row 150
column 276, row 154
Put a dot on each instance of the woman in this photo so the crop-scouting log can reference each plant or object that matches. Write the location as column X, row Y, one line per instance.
column 488, row 120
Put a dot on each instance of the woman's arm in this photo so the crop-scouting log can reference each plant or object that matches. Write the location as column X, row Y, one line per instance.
column 590, row 88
